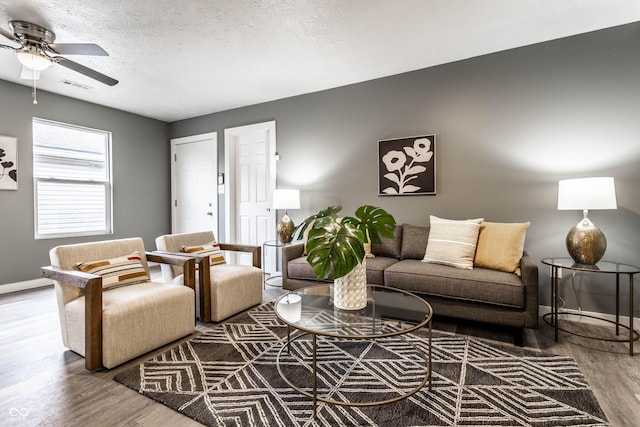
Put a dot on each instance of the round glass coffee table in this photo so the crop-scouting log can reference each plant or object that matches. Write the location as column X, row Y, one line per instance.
column 389, row 313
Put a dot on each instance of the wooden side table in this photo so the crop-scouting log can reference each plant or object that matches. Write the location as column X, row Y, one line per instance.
column 603, row 267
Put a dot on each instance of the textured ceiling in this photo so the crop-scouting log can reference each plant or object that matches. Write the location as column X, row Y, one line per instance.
column 177, row 59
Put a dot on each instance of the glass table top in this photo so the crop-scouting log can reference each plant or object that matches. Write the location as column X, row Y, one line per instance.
column 600, row 267
column 389, row 312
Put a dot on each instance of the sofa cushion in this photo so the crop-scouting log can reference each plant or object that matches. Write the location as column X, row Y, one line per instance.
column 500, row 246
column 452, row 242
column 389, row 246
column 414, row 241
column 299, row 268
column 479, row 285
column 376, row 267
column 118, row 271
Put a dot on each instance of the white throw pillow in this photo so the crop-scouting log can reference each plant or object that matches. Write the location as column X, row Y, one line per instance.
column 452, row 242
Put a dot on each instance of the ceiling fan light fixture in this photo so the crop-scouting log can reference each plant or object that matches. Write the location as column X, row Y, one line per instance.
column 33, row 61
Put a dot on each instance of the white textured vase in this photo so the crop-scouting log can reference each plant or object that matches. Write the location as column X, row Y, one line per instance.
column 350, row 290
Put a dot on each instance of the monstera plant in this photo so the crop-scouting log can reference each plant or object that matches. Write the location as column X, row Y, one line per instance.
column 337, row 244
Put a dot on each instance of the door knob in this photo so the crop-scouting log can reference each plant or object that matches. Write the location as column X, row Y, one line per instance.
column 210, row 213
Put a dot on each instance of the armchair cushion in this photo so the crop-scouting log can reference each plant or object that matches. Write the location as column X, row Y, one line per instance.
column 211, row 249
column 175, row 243
column 135, row 320
column 118, row 271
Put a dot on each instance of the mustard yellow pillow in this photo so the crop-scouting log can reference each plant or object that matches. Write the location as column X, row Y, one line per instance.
column 500, row 246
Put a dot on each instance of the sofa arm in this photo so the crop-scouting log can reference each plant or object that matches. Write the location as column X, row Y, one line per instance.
column 290, row 252
column 529, row 277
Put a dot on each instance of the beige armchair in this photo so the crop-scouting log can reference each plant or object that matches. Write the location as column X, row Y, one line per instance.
column 112, row 312
column 223, row 289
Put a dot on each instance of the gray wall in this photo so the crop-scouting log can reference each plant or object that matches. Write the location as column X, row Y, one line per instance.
column 509, row 126
column 141, row 176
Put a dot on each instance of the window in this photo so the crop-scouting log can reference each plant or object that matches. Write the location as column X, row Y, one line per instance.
column 72, row 178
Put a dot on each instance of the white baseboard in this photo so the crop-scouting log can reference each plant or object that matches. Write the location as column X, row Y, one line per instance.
column 624, row 320
column 26, row 285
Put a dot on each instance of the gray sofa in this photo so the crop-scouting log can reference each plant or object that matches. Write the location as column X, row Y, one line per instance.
column 481, row 294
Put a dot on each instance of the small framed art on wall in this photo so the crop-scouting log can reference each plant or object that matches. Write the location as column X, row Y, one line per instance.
column 407, row 166
column 8, row 163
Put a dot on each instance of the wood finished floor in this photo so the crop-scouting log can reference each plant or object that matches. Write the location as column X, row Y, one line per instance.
column 43, row 383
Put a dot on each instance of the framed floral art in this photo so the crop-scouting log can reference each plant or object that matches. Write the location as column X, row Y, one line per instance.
column 407, row 166
column 8, row 163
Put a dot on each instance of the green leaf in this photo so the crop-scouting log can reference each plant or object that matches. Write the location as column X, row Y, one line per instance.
column 375, row 222
column 330, row 212
column 338, row 245
column 334, row 246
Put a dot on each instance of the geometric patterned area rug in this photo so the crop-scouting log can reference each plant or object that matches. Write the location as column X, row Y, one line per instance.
column 228, row 377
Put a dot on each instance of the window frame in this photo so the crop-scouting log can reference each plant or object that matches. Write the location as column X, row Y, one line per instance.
column 108, row 183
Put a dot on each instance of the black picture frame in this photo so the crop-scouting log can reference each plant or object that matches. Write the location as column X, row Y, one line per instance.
column 407, row 166
column 8, row 163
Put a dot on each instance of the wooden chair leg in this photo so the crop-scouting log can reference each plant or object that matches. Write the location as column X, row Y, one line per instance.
column 93, row 325
column 205, row 290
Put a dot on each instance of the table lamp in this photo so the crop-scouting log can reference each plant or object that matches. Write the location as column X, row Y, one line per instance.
column 286, row 199
column 585, row 242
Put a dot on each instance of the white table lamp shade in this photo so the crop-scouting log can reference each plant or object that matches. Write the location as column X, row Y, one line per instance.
column 286, row 199
column 587, row 193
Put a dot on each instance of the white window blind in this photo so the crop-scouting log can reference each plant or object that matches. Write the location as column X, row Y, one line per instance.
column 71, row 168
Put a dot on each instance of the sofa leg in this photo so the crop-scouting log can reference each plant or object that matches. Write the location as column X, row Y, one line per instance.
column 518, row 337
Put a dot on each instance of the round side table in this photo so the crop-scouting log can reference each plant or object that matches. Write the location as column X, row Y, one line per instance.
column 602, row 267
column 274, row 280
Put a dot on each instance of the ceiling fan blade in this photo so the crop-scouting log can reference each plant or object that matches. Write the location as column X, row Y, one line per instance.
column 10, row 36
column 86, row 71
column 29, row 74
column 78, row 49
column 4, row 46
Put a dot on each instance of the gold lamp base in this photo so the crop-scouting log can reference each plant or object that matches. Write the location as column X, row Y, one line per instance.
column 285, row 229
column 586, row 243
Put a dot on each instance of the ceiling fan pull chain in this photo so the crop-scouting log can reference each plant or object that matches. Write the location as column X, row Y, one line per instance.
column 33, row 92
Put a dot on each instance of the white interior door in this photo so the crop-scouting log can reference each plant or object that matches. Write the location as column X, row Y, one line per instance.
column 194, row 170
column 251, row 178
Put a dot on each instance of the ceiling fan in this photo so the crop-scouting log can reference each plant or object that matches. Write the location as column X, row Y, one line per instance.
column 37, row 51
